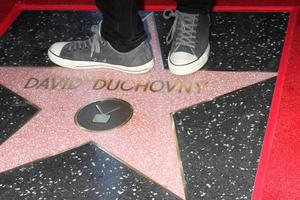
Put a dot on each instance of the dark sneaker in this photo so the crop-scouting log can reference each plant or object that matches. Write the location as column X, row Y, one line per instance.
column 189, row 36
column 96, row 52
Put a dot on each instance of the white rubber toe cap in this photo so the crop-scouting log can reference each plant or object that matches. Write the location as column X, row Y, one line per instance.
column 57, row 47
column 181, row 63
column 182, row 58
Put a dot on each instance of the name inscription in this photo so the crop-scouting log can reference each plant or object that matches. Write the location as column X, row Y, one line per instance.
column 154, row 86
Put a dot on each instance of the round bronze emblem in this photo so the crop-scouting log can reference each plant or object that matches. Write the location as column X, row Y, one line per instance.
column 104, row 114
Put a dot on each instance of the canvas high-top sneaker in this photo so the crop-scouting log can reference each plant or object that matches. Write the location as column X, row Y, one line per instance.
column 96, row 52
column 189, row 36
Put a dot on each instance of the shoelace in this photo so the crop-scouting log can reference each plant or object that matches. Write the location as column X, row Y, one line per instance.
column 186, row 33
column 92, row 42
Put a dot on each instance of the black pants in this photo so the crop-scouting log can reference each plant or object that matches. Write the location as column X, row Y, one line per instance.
column 122, row 26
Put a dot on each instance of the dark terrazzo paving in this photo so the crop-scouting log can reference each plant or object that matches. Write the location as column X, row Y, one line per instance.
column 220, row 142
column 239, row 41
column 15, row 111
column 84, row 173
column 27, row 41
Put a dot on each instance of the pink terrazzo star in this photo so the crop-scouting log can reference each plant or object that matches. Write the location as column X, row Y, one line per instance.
column 147, row 143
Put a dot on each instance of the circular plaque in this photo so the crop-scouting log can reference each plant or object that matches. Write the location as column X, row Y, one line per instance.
column 104, row 114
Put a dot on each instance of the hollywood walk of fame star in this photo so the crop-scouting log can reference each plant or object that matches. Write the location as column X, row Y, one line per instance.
column 147, row 143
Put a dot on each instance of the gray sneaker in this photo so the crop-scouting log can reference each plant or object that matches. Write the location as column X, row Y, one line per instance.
column 96, row 52
column 189, row 36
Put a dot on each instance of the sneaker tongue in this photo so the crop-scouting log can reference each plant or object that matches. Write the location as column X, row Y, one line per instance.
column 187, row 14
column 182, row 48
column 184, row 36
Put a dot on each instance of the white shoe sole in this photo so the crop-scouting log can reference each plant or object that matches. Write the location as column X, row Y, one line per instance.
column 72, row 64
column 192, row 67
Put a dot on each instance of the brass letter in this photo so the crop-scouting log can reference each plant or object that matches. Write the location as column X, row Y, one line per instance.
column 125, row 89
column 99, row 84
column 171, row 88
column 162, row 84
column 201, row 86
column 145, row 86
column 44, row 84
column 110, row 83
column 55, row 84
column 187, row 88
column 74, row 84
column 29, row 83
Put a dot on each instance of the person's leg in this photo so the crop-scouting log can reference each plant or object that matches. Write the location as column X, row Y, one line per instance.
column 194, row 6
column 121, row 26
column 189, row 36
column 119, row 42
